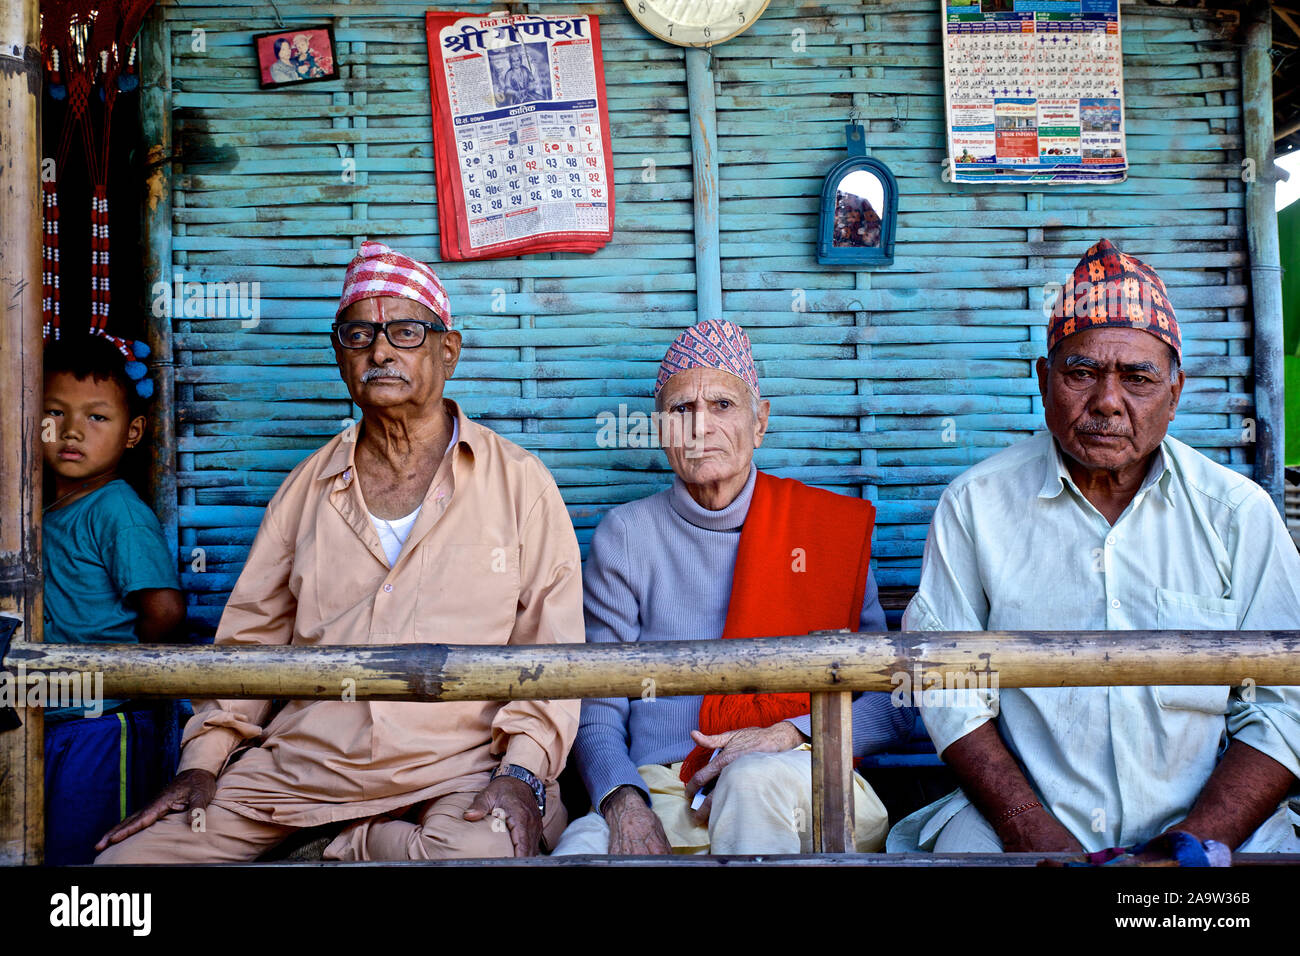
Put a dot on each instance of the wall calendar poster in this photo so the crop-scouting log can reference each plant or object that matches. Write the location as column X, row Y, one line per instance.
column 1035, row 91
column 521, row 134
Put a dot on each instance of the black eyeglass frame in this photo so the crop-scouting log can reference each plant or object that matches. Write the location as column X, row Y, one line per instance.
column 378, row 327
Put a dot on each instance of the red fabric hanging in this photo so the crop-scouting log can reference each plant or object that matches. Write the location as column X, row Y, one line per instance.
column 801, row 566
column 89, row 43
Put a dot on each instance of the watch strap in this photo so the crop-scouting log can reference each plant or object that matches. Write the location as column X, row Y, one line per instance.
column 528, row 777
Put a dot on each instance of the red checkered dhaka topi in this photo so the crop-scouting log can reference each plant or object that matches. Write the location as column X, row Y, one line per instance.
column 378, row 270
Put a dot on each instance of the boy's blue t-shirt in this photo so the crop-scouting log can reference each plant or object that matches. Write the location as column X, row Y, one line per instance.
column 96, row 551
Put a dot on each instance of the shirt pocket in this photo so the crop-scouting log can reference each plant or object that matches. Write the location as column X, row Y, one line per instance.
column 1178, row 610
column 469, row 594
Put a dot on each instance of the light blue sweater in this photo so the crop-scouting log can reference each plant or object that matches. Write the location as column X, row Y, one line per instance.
column 660, row 569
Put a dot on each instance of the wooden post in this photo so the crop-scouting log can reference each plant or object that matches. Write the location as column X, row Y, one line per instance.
column 21, row 763
column 1265, row 252
column 704, row 159
column 156, row 137
column 832, row 772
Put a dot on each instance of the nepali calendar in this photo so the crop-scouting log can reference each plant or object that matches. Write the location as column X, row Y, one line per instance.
column 521, row 134
column 1035, row 91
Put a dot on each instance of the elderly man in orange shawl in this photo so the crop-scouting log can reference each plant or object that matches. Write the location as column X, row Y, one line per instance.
column 727, row 551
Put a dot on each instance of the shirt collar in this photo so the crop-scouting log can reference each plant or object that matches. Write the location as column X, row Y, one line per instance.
column 1056, row 476
column 341, row 459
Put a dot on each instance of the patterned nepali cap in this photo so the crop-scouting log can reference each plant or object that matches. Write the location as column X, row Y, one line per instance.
column 714, row 343
column 1108, row 287
column 378, row 270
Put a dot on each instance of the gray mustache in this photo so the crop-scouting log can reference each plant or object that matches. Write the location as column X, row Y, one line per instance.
column 370, row 374
column 1102, row 428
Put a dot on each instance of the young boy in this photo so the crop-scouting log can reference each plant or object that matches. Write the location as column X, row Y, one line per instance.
column 109, row 579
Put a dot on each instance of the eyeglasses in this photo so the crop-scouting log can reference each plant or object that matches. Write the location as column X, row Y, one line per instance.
column 402, row 334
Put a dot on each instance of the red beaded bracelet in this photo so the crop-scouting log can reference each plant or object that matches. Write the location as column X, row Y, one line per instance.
column 1006, row 815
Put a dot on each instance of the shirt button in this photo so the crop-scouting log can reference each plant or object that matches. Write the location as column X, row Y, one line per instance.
column 1114, row 602
column 389, row 587
column 1110, row 539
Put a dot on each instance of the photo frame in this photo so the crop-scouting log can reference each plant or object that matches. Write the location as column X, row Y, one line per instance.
column 859, row 209
column 298, row 55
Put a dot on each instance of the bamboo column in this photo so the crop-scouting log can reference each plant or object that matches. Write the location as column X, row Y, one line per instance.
column 21, row 764
column 156, row 136
column 704, row 161
column 1264, row 249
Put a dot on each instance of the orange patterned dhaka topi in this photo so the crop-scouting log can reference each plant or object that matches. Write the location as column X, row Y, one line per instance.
column 1111, row 288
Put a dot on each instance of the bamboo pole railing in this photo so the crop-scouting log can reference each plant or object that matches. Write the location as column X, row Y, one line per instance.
column 829, row 665
column 835, row 661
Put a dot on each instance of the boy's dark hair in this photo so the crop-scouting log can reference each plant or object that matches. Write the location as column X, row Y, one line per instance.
column 93, row 356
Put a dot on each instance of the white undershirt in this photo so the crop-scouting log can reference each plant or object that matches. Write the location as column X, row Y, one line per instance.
column 393, row 534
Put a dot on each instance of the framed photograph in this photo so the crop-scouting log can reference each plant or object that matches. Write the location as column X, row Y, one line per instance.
column 298, row 55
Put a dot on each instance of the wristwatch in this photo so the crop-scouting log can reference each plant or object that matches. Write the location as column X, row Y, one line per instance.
column 528, row 777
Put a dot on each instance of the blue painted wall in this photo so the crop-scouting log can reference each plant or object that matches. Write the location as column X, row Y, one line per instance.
column 884, row 383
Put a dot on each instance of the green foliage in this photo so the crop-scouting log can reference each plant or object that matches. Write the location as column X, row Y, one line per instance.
column 1292, row 394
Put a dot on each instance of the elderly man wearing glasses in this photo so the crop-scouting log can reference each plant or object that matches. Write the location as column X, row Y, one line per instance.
column 415, row 526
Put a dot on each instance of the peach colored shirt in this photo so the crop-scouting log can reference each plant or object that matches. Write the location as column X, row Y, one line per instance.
column 492, row 559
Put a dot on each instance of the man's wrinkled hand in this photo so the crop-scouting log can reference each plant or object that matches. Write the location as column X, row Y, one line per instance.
column 189, row 790
column 511, row 800
column 634, row 829
column 734, row 744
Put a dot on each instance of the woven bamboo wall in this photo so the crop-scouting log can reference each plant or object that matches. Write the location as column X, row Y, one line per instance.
column 886, row 383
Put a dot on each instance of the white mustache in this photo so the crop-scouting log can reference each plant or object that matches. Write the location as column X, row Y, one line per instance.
column 370, row 374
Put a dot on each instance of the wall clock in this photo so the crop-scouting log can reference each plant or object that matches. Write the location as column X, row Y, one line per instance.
column 696, row 22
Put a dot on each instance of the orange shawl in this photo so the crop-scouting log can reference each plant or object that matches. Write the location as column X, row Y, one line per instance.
column 801, row 566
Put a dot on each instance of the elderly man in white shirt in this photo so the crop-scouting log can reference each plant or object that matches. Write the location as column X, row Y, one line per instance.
column 1106, row 523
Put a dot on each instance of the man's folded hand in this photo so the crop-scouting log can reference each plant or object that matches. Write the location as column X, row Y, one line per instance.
column 511, row 801
column 734, row 744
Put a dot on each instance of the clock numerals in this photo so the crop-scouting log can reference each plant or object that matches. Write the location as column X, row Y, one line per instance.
column 702, row 25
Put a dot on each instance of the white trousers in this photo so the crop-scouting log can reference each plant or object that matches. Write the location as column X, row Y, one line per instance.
column 762, row 804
